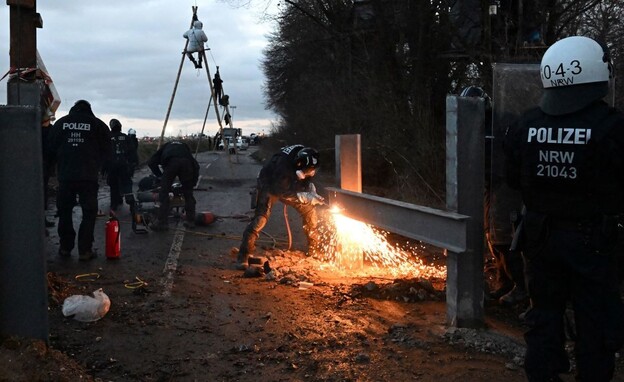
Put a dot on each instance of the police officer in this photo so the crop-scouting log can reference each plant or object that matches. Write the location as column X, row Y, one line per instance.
column 285, row 177
column 80, row 144
column 176, row 159
column 119, row 171
column 134, row 151
column 567, row 159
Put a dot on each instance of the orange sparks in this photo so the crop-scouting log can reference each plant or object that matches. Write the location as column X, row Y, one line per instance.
column 354, row 246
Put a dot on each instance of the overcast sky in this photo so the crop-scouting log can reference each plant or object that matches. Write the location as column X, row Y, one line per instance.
column 123, row 57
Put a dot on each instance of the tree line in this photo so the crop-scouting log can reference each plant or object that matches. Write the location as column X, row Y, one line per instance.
column 383, row 69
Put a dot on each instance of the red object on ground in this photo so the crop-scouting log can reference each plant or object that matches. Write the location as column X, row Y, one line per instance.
column 113, row 238
column 204, row 218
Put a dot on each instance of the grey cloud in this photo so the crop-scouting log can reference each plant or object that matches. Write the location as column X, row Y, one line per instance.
column 124, row 56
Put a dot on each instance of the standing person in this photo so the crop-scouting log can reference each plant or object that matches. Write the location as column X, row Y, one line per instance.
column 80, row 144
column 196, row 39
column 134, row 151
column 119, row 177
column 567, row 159
column 285, row 177
column 176, row 159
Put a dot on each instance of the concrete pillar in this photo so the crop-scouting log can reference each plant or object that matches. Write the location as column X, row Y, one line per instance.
column 23, row 284
column 465, row 162
column 349, row 162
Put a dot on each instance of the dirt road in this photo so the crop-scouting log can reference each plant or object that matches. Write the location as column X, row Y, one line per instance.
column 198, row 319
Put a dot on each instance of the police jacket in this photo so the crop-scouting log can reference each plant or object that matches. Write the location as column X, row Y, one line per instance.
column 121, row 148
column 169, row 150
column 196, row 37
column 80, row 143
column 568, row 166
column 279, row 174
column 133, row 144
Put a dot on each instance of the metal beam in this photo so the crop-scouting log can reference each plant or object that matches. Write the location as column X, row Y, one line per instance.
column 436, row 227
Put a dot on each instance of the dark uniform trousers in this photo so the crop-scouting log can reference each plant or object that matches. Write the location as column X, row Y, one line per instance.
column 120, row 181
column 263, row 212
column 184, row 170
column 86, row 192
column 572, row 260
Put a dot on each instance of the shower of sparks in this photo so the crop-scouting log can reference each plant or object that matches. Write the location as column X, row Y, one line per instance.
column 354, row 246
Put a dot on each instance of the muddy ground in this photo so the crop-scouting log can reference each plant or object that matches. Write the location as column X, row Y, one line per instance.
column 191, row 316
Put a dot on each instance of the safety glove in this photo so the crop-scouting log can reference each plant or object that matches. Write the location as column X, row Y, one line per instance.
column 310, row 198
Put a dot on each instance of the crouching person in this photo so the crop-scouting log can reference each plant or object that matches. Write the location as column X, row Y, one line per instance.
column 176, row 160
column 285, row 177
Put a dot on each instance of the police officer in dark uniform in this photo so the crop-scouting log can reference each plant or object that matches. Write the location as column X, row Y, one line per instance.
column 567, row 158
column 285, row 177
column 176, row 159
column 119, row 168
column 134, row 151
column 80, row 144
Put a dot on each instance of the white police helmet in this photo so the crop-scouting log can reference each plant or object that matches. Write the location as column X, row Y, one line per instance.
column 575, row 72
column 131, row 132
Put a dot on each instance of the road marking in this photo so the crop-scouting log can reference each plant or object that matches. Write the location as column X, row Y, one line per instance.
column 208, row 165
column 172, row 261
column 198, row 181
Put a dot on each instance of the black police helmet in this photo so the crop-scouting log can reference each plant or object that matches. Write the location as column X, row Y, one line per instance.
column 115, row 125
column 82, row 106
column 307, row 158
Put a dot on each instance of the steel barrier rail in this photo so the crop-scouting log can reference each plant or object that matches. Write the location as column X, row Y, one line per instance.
column 442, row 229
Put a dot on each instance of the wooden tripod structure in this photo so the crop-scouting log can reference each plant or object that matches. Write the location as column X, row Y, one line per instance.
column 213, row 98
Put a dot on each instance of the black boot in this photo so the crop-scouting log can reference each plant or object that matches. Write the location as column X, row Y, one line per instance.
column 242, row 260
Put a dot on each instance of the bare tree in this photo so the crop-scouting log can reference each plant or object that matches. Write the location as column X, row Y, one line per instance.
column 383, row 68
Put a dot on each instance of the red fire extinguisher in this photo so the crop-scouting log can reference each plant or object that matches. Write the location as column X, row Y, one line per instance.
column 113, row 238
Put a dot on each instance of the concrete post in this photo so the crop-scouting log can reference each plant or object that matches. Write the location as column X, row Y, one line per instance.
column 465, row 162
column 23, row 284
column 349, row 162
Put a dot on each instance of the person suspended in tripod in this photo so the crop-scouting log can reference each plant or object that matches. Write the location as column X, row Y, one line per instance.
column 217, row 84
column 196, row 39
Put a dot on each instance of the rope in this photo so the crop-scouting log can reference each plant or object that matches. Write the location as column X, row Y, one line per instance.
column 136, row 284
column 87, row 277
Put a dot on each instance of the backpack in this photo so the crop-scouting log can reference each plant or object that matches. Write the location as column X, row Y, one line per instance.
column 121, row 149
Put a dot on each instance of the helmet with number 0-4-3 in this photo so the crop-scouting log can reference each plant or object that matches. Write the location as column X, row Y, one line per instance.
column 575, row 72
column 307, row 161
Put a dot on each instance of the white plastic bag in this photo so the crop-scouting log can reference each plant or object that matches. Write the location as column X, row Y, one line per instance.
column 87, row 308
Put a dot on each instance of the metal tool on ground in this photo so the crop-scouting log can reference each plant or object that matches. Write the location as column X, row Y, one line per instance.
column 145, row 209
